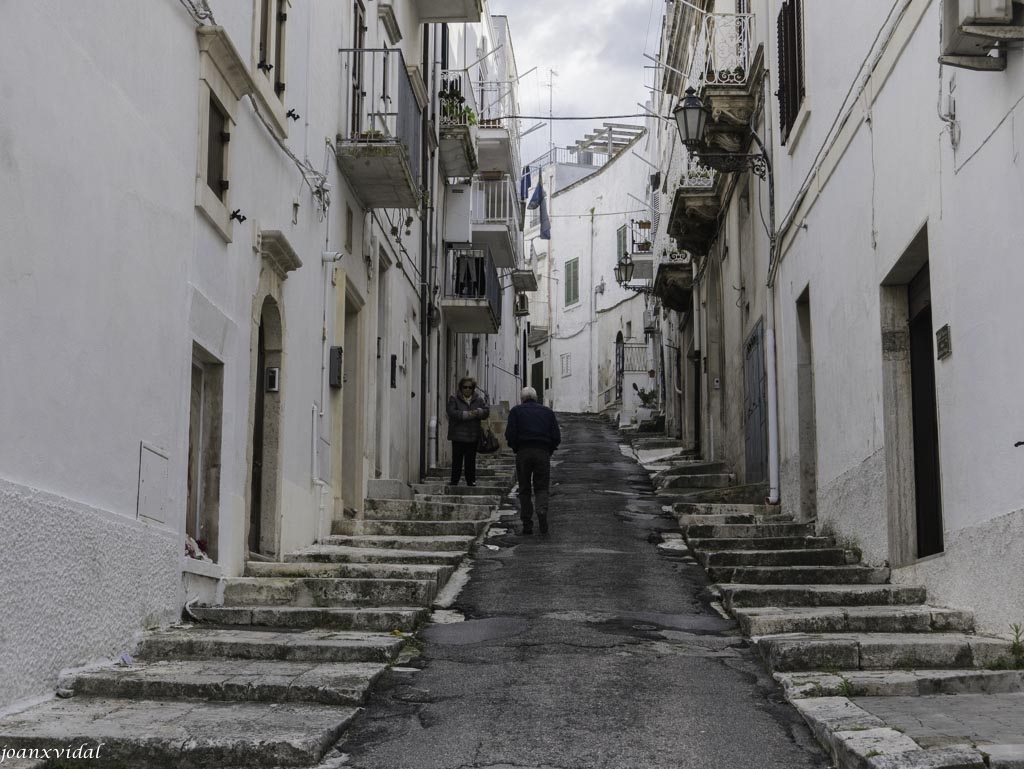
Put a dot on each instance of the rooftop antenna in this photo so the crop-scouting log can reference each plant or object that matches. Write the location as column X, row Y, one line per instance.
column 551, row 112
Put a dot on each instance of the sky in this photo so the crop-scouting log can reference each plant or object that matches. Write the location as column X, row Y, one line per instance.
column 597, row 48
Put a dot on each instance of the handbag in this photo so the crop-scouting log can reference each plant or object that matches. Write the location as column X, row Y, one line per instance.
column 488, row 443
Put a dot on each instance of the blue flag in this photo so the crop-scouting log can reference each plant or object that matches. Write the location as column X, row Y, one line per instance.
column 525, row 183
column 539, row 200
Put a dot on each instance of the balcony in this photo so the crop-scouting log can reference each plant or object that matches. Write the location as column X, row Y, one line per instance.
column 471, row 301
column 673, row 282
column 498, row 135
column 696, row 208
column 726, row 71
column 378, row 149
column 524, row 280
column 458, row 134
column 450, row 11
column 497, row 226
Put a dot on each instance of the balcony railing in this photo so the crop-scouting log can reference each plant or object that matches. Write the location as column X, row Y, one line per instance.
column 496, row 201
column 697, row 176
column 471, row 274
column 724, row 50
column 380, row 103
column 458, row 100
column 571, row 156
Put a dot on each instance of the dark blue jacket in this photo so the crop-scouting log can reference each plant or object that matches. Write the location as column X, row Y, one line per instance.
column 532, row 424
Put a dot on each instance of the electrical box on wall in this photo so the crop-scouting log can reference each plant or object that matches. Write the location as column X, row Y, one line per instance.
column 337, row 360
column 273, row 379
column 457, row 220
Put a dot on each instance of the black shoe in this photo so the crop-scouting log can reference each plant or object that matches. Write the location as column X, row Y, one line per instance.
column 471, row 484
column 527, row 528
column 543, row 523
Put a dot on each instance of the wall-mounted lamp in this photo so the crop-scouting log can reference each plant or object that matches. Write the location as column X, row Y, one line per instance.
column 237, row 215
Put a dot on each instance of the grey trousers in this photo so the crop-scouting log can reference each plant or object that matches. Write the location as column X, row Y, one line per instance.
column 533, row 471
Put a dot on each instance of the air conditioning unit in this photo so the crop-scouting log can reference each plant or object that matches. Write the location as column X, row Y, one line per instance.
column 650, row 321
column 972, row 29
column 522, row 306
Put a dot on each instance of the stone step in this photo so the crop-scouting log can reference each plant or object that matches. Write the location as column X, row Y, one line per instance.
column 377, row 620
column 694, row 481
column 491, row 500
column 419, row 528
column 749, row 530
column 750, row 494
column 770, row 620
column 799, row 575
column 694, row 467
column 461, row 491
column 482, row 471
column 393, row 542
column 759, row 543
column 713, row 508
column 415, row 510
column 737, row 595
column 307, row 646
column 719, row 519
column 900, row 683
column 187, row 734
column 326, row 683
column 311, row 592
column 825, row 556
column 437, row 573
column 880, row 651
column 351, row 554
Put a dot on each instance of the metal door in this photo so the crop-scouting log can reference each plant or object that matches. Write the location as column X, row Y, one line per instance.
column 537, row 380
column 620, row 366
column 755, row 424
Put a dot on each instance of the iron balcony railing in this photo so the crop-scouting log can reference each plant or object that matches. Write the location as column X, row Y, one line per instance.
column 634, row 358
column 458, row 100
column 571, row 156
column 724, row 50
column 379, row 101
column 471, row 274
column 697, row 176
column 496, row 201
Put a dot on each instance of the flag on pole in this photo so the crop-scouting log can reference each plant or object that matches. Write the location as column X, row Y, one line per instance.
column 539, row 200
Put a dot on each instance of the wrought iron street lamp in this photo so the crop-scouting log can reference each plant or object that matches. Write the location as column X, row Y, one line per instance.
column 624, row 274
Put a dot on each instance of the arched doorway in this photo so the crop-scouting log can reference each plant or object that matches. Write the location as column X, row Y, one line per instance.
column 262, row 525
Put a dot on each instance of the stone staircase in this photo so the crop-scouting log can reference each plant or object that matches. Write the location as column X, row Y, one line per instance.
column 274, row 674
column 831, row 629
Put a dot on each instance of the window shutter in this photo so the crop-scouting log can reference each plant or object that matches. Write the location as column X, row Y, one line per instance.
column 783, row 74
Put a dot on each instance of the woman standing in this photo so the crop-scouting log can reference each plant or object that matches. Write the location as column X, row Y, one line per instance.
column 466, row 412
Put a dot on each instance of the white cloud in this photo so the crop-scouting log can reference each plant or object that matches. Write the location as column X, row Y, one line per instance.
column 597, row 48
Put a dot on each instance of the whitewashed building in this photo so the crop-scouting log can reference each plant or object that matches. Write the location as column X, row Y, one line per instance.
column 883, row 315
column 223, row 293
column 590, row 335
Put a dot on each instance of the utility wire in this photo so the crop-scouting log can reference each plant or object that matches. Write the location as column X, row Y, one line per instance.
column 584, row 117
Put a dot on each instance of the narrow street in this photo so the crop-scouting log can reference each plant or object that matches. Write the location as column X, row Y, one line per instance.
column 583, row 649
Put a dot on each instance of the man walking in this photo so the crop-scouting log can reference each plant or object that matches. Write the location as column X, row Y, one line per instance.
column 533, row 434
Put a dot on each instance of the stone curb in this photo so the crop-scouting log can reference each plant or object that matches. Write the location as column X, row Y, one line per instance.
column 857, row 739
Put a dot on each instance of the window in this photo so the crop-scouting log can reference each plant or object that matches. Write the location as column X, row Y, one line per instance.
column 572, row 281
column 216, row 149
column 629, row 329
column 566, row 360
column 349, row 226
column 620, row 244
column 791, row 65
column 273, row 16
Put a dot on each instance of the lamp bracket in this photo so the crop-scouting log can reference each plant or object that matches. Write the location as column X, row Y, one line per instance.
column 729, row 162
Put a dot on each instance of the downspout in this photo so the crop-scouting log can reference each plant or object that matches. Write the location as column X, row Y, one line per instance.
column 769, row 333
column 590, row 334
column 427, row 233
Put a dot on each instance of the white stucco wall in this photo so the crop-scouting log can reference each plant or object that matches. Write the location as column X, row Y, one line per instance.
column 888, row 183
column 585, row 217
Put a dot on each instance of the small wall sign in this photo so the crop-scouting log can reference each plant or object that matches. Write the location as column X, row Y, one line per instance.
column 943, row 344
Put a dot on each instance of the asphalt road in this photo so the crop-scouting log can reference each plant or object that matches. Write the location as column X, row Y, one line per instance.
column 583, row 649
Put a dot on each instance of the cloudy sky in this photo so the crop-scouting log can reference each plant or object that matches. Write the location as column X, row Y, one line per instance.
column 597, row 48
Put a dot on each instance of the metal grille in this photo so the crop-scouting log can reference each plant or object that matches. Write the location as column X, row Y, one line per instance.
column 634, row 357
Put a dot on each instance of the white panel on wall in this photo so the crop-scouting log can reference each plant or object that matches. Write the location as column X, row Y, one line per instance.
column 153, row 468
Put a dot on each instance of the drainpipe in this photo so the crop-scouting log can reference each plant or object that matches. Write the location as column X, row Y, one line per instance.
column 427, row 234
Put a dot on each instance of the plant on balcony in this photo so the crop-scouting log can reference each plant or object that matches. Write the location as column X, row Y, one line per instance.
column 643, row 225
column 372, row 135
column 647, row 397
column 644, row 247
column 454, row 110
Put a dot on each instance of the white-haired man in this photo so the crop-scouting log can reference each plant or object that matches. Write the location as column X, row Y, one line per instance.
column 533, row 434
